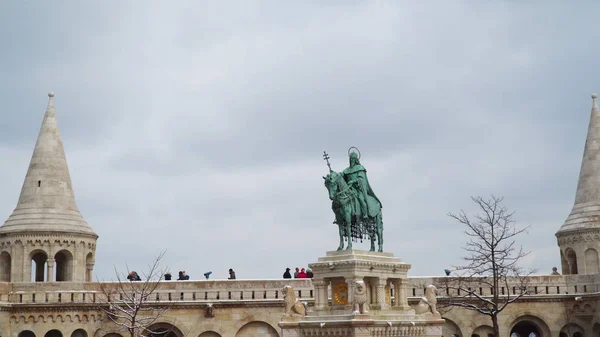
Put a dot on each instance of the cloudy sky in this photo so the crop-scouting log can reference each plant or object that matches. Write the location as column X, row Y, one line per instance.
column 199, row 128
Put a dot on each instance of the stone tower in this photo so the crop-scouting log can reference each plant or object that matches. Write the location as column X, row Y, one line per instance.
column 46, row 238
column 579, row 236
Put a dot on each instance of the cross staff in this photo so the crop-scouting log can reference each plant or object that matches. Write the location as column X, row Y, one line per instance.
column 326, row 158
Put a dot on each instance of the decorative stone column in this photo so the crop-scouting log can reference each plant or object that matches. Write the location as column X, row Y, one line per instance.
column 89, row 267
column 320, row 294
column 380, row 303
column 50, row 269
column 351, row 288
column 400, row 293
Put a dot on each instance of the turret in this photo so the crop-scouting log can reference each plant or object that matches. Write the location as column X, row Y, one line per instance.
column 46, row 238
column 579, row 236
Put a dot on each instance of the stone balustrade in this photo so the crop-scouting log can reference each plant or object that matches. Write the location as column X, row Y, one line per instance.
column 167, row 291
column 536, row 285
column 223, row 291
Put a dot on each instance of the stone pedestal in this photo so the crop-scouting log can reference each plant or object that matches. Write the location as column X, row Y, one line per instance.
column 334, row 313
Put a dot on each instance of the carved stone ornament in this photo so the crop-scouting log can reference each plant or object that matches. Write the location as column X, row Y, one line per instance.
column 360, row 298
column 340, row 294
column 209, row 312
column 428, row 304
column 293, row 307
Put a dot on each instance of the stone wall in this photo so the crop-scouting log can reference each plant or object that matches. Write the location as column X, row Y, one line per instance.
column 254, row 307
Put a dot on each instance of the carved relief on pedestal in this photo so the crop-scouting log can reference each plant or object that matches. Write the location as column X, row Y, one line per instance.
column 340, row 294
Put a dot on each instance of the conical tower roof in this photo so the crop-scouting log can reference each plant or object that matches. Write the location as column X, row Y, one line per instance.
column 586, row 211
column 47, row 203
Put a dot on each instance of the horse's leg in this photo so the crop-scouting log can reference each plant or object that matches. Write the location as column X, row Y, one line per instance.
column 341, row 230
column 380, row 231
column 348, row 223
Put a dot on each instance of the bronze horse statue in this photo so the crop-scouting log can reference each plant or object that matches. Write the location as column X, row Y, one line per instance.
column 348, row 216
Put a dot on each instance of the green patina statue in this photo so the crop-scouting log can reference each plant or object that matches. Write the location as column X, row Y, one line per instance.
column 356, row 207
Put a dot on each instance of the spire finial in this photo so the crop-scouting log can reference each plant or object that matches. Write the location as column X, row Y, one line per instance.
column 50, row 101
column 594, row 102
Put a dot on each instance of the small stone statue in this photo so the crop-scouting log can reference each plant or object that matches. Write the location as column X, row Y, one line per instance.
column 293, row 307
column 359, row 298
column 429, row 302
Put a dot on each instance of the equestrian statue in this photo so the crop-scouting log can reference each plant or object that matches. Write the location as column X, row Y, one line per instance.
column 356, row 207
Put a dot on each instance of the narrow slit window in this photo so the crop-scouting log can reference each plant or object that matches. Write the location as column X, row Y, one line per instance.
column 39, row 183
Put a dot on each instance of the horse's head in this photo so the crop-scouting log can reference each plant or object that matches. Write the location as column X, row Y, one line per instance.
column 331, row 183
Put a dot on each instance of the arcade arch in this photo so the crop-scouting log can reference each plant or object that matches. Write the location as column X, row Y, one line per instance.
column 596, row 330
column 5, row 267
column 26, row 333
column 209, row 334
column 529, row 326
column 571, row 330
column 164, row 330
column 53, row 333
column 64, row 265
column 89, row 263
column 257, row 328
column 591, row 261
column 483, row 331
column 450, row 329
column 39, row 260
column 79, row 333
column 571, row 258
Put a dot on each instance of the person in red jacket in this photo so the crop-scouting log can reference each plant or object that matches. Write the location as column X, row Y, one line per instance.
column 302, row 274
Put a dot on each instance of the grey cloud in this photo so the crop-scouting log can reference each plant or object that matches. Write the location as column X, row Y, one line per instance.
column 199, row 128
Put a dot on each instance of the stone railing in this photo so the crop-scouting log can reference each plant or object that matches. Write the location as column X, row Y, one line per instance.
column 166, row 291
column 224, row 291
column 536, row 285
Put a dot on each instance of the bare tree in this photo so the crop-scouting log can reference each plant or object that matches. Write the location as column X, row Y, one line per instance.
column 129, row 303
column 491, row 261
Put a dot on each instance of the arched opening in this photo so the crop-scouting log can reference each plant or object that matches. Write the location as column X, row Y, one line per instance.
column 591, row 261
column 257, row 328
column 572, row 261
column 26, row 333
column 571, row 330
column 209, row 334
column 484, row 331
column 79, row 333
column 38, row 266
column 529, row 326
column 64, row 266
column 526, row 328
column 163, row 330
column 5, row 267
column 596, row 330
column 564, row 264
column 53, row 333
column 450, row 329
column 89, row 265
